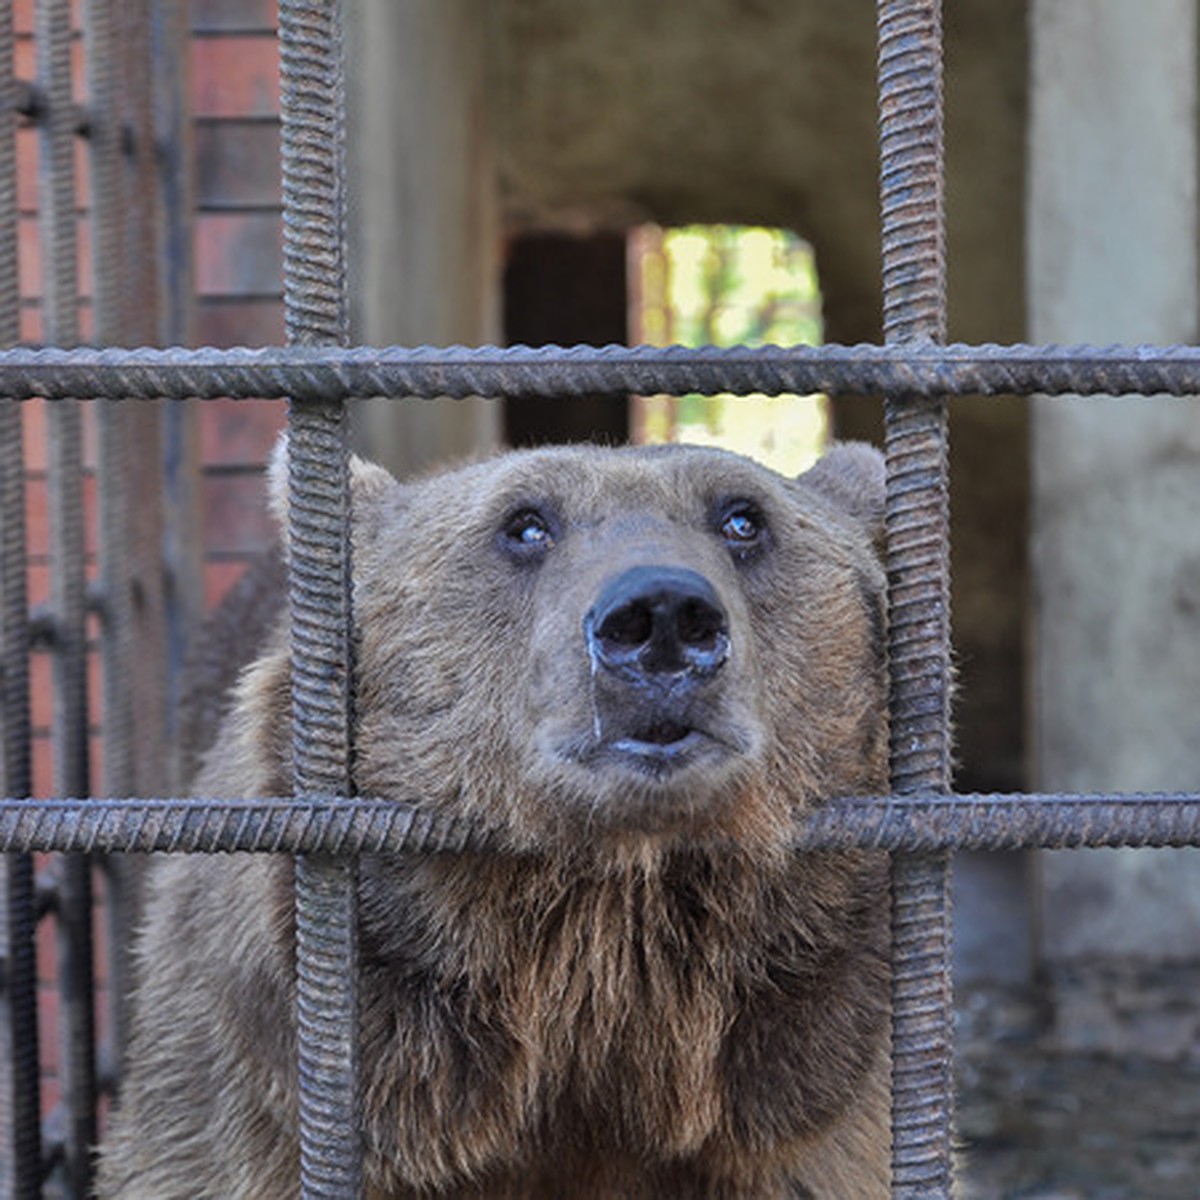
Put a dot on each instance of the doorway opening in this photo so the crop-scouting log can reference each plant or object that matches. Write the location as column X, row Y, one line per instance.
column 728, row 285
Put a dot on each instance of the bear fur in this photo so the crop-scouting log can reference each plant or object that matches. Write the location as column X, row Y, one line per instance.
column 643, row 992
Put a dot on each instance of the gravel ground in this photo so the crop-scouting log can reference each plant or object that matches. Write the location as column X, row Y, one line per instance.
column 1085, row 1089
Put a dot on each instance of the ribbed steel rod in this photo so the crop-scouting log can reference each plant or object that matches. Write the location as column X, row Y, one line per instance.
column 139, row 280
column 918, row 568
column 60, row 322
column 20, row 1109
column 20, row 1152
column 109, row 269
column 315, row 307
column 359, row 825
column 332, row 373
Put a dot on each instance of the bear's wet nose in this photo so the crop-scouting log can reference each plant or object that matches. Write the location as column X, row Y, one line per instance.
column 650, row 622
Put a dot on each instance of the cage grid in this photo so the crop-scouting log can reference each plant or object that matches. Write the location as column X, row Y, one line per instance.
column 98, row 218
column 921, row 821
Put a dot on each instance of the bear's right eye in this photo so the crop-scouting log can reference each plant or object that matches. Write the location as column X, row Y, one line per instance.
column 527, row 534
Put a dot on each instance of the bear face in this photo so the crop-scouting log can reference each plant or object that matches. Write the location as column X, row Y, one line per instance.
column 635, row 668
column 656, row 643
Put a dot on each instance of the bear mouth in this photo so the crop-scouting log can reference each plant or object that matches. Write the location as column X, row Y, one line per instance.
column 661, row 749
column 662, row 734
column 653, row 746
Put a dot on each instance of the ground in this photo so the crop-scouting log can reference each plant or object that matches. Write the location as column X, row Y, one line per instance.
column 1085, row 1089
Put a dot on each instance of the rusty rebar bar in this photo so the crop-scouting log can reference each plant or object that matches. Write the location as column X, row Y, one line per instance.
column 20, row 1107
column 363, row 825
column 139, row 281
column 517, row 372
column 918, row 569
column 315, row 303
column 60, row 324
column 109, row 268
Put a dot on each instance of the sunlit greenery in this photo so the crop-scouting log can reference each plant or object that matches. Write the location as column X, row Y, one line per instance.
column 728, row 285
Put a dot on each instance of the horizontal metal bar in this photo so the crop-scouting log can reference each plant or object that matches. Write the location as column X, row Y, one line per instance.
column 330, row 373
column 337, row 825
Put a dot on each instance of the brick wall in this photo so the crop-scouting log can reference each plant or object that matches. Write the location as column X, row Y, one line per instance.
column 233, row 93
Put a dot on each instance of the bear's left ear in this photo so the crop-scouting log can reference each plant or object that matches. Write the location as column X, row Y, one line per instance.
column 367, row 481
column 851, row 476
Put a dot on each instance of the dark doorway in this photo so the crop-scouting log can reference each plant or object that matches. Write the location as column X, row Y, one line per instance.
column 564, row 289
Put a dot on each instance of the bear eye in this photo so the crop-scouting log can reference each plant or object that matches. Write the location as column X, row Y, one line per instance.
column 527, row 533
column 742, row 525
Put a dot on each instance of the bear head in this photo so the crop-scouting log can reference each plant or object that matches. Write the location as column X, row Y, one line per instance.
column 613, row 647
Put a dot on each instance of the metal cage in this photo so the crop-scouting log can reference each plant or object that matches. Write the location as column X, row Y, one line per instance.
column 921, row 822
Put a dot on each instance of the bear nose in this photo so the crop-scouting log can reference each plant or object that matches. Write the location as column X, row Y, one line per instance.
column 653, row 621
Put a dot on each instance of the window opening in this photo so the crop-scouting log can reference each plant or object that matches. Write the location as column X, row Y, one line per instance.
column 728, row 285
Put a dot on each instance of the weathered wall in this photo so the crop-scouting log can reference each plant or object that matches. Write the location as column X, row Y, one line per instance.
column 1113, row 257
column 425, row 227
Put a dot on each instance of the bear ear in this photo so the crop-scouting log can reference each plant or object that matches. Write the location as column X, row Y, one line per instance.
column 851, row 476
column 367, row 481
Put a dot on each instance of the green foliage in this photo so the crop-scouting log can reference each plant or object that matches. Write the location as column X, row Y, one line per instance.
column 728, row 285
column 731, row 285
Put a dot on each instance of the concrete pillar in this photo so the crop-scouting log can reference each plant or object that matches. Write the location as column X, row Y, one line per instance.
column 425, row 210
column 1116, row 483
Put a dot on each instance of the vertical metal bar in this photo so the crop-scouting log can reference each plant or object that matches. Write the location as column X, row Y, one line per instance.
column 20, row 1101
column 20, row 1107
column 313, row 106
column 56, row 209
column 141, row 424
column 917, row 522
column 172, row 132
column 106, row 216
column 182, row 550
column 139, row 320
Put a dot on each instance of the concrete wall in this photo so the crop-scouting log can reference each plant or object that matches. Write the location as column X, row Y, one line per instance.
column 1116, row 483
column 425, row 248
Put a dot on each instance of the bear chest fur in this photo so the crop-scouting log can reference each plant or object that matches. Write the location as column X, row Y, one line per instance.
column 671, row 1010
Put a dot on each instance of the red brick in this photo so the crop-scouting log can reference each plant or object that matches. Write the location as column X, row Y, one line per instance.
column 31, row 324
column 29, row 257
column 43, row 767
column 237, row 163
column 23, row 14
column 41, row 705
column 33, row 428
column 235, row 77
column 39, row 584
column 100, row 938
column 233, row 14
column 240, row 432
column 219, row 577
column 27, row 168
column 38, row 526
column 25, row 55
column 37, row 517
column 47, row 949
column 236, row 517
column 236, row 322
column 239, row 253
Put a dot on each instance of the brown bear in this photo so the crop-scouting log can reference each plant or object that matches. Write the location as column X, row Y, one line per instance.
column 636, row 668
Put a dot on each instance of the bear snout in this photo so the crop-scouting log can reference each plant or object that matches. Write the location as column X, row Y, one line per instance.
column 657, row 637
column 660, row 627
